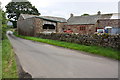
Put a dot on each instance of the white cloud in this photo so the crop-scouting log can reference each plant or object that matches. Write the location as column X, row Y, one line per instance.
column 42, row 3
column 62, row 8
column 4, row 3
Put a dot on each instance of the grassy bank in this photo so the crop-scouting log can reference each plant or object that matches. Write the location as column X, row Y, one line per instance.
column 107, row 52
column 9, row 68
column 0, row 59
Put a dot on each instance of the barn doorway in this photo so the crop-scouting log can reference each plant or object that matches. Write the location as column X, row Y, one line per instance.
column 48, row 26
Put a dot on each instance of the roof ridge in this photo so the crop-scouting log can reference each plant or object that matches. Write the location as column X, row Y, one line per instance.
column 52, row 17
column 87, row 16
column 29, row 14
column 97, row 14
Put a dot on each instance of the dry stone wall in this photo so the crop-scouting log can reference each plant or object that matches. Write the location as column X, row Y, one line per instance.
column 104, row 40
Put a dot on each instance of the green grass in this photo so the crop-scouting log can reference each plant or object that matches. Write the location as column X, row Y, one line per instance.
column 9, row 68
column 107, row 52
column 0, row 59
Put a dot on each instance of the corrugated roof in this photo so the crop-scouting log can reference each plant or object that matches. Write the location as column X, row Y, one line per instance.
column 50, row 18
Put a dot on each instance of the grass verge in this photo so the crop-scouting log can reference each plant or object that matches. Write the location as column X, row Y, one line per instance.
column 0, row 60
column 107, row 52
column 9, row 67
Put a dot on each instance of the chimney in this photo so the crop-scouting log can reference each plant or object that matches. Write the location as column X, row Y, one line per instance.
column 99, row 13
column 71, row 15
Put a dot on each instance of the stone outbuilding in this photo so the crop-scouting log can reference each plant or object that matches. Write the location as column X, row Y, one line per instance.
column 113, row 22
column 82, row 24
column 90, row 23
column 31, row 25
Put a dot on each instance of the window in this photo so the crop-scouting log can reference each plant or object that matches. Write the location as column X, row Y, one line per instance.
column 82, row 28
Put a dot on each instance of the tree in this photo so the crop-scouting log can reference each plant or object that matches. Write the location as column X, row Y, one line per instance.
column 14, row 9
column 85, row 14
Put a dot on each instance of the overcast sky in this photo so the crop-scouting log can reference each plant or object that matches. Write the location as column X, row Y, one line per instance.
column 63, row 8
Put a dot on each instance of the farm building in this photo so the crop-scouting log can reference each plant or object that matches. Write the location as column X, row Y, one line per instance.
column 82, row 24
column 31, row 25
column 113, row 23
column 90, row 23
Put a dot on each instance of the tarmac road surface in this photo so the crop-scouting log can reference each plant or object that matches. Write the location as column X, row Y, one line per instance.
column 46, row 61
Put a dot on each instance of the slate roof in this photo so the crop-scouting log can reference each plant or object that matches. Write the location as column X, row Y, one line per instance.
column 50, row 18
column 91, row 19
column 106, row 16
column 115, row 16
column 83, row 20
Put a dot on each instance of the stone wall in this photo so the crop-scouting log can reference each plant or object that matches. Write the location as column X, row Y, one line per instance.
column 60, row 27
column 82, row 29
column 38, row 26
column 26, row 27
column 108, row 22
column 104, row 40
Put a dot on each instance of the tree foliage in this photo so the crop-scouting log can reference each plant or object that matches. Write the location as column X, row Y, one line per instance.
column 3, row 23
column 3, row 17
column 85, row 14
column 14, row 9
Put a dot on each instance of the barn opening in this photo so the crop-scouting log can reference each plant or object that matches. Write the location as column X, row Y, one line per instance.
column 48, row 26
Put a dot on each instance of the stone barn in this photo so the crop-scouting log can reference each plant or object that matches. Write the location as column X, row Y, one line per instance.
column 90, row 23
column 31, row 25
column 82, row 24
column 113, row 23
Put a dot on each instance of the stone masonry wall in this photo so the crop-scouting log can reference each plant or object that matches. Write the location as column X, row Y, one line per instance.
column 109, row 22
column 38, row 26
column 104, row 40
column 87, row 29
column 60, row 27
column 26, row 27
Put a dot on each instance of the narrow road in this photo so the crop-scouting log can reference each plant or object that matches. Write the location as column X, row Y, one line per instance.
column 47, row 61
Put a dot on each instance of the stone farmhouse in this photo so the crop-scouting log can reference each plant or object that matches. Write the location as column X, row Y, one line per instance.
column 89, row 24
column 31, row 25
